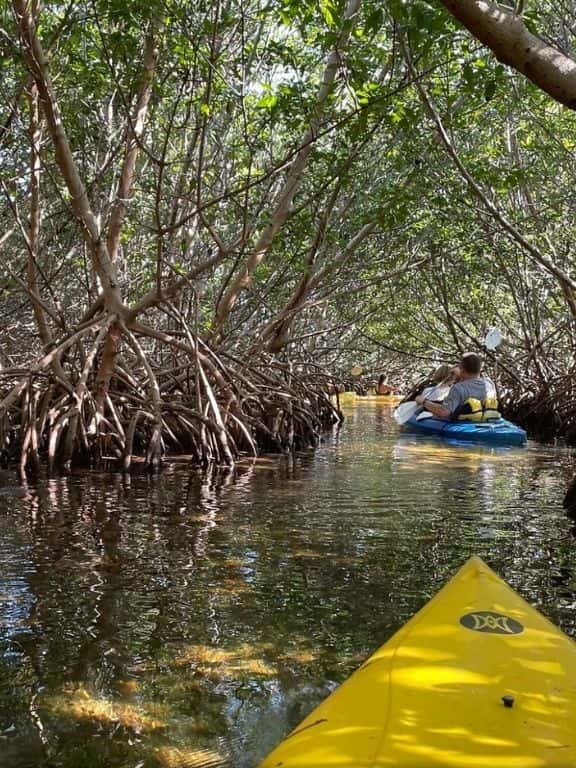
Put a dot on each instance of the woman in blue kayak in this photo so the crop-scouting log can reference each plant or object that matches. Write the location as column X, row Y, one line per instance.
column 442, row 376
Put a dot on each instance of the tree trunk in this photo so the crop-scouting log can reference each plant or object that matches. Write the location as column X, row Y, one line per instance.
column 505, row 33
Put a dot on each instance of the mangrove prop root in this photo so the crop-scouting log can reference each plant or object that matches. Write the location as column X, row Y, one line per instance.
column 164, row 396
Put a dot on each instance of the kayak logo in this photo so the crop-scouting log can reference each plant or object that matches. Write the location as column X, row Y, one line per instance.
column 491, row 622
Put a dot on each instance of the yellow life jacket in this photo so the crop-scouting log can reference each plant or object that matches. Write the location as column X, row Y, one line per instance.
column 479, row 410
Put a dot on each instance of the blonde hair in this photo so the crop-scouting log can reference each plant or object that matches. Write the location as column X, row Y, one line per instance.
column 441, row 373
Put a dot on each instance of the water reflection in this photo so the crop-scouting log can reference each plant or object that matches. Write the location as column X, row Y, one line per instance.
column 187, row 620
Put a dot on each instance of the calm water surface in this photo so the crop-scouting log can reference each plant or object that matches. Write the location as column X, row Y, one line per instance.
column 186, row 620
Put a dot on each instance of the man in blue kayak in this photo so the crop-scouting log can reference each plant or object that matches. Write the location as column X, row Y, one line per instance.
column 472, row 398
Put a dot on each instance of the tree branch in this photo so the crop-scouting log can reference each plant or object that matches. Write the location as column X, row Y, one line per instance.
column 294, row 176
column 134, row 133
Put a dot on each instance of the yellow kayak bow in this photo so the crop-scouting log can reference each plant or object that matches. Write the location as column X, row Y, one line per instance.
column 477, row 678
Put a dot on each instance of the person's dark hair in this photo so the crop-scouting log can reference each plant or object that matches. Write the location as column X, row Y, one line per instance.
column 382, row 379
column 471, row 363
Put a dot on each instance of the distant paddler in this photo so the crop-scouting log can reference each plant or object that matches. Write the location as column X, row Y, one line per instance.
column 383, row 388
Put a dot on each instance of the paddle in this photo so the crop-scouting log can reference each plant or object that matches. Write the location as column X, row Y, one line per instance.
column 405, row 411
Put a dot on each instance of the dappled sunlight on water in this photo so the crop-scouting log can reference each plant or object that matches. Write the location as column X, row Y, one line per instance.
column 162, row 621
column 79, row 704
column 170, row 757
column 220, row 663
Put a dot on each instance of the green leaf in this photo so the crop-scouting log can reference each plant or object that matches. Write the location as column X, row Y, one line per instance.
column 268, row 101
column 327, row 9
column 489, row 89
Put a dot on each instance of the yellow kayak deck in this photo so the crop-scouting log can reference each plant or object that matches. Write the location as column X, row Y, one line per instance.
column 477, row 678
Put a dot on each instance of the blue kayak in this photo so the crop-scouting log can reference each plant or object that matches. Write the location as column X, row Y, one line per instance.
column 497, row 432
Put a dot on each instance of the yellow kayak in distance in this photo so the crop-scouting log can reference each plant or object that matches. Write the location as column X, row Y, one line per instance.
column 347, row 398
column 476, row 679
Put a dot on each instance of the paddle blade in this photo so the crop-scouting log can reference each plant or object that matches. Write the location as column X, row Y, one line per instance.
column 405, row 411
column 493, row 339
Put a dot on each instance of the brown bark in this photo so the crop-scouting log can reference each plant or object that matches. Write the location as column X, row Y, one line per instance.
column 506, row 34
column 34, row 230
column 106, row 369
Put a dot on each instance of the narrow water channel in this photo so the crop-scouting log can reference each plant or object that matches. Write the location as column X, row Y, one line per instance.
column 187, row 620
